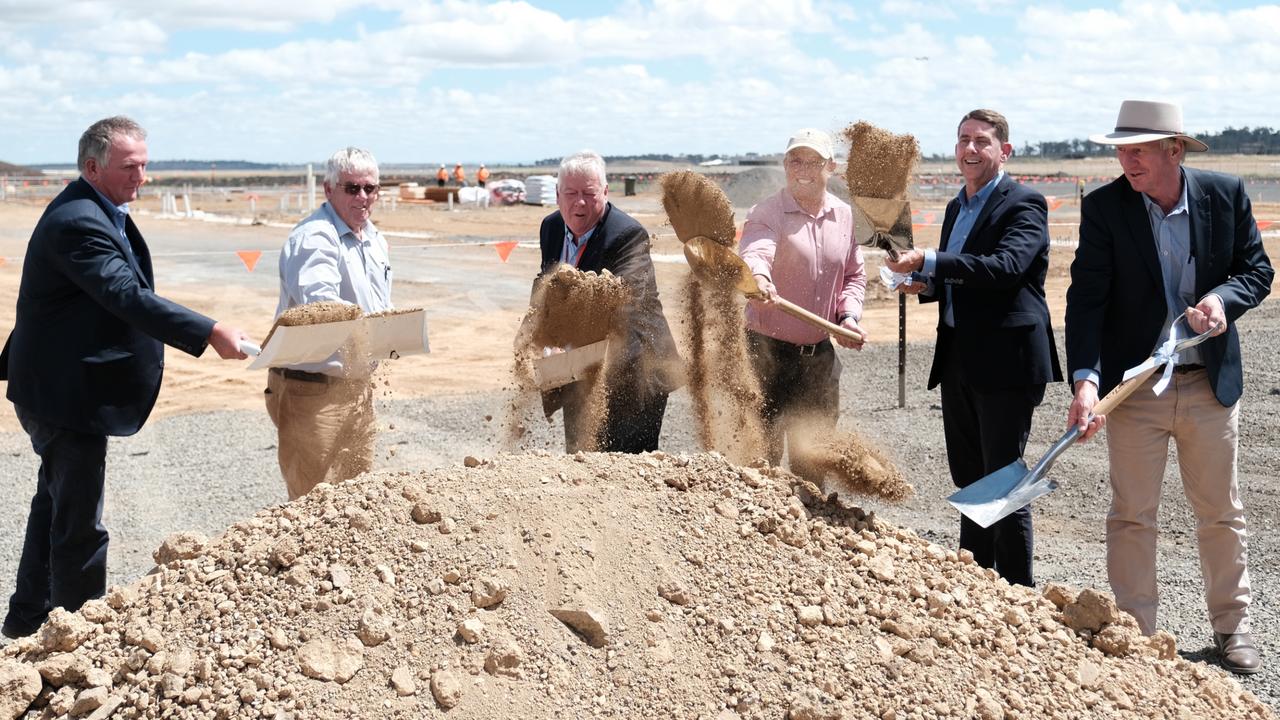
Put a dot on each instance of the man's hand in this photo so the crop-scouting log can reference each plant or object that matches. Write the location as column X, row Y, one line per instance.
column 915, row 288
column 765, row 285
column 1081, row 408
column 226, row 341
column 1207, row 313
column 907, row 262
column 851, row 324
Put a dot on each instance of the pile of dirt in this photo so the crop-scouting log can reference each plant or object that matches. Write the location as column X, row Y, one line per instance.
column 601, row 585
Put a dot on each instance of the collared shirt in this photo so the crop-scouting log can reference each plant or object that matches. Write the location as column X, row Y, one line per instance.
column 970, row 207
column 812, row 260
column 118, row 215
column 573, row 248
column 1172, row 233
column 324, row 260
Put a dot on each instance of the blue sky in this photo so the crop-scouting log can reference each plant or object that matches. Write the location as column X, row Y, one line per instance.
column 453, row 80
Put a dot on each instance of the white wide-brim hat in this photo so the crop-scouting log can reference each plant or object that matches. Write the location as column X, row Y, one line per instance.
column 1144, row 121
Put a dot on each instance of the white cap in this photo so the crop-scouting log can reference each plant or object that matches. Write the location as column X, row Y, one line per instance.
column 816, row 140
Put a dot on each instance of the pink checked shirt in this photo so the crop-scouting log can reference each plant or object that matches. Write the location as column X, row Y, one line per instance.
column 813, row 261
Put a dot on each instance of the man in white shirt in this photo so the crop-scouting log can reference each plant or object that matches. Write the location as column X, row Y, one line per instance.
column 324, row 411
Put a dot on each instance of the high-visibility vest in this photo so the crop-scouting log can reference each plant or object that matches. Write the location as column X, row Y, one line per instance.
column 459, row 174
column 482, row 174
column 442, row 174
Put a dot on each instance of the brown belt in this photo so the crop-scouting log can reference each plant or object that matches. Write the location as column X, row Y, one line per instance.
column 301, row 375
column 1189, row 367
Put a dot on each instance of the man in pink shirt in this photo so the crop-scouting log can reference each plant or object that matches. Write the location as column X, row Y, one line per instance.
column 800, row 246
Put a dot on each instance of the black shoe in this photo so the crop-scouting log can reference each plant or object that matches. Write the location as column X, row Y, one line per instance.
column 1239, row 652
column 13, row 631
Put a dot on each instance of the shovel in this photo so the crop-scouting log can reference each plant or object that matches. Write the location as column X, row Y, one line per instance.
column 1012, row 487
column 718, row 263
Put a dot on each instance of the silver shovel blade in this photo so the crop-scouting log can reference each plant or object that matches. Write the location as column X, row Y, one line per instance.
column 1001, row 493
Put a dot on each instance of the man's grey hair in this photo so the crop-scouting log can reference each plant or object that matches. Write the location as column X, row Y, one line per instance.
column 96, row 141
column 585, row 162
column 351, row 160
column 1171, row 142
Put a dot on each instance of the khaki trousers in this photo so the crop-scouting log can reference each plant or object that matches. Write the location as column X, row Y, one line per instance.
column 326, row 429
column 1206, row 437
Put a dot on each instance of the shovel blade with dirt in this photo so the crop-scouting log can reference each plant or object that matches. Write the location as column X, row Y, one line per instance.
column 1013, row 487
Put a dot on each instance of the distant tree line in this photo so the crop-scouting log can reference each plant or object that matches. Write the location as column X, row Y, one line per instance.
column 1242, row 141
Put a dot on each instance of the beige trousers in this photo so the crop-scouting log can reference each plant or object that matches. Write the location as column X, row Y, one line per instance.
column 1205, row 434
column 326, row 430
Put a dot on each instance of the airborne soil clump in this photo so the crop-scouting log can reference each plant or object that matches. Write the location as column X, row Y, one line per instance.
column 603, row 585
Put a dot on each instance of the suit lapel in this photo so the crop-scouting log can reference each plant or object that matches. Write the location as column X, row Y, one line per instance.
column 1135, row 214
column 1201, row 209
column 948, row 222
column 974, row 243
column 139, row 254
column 593, row 256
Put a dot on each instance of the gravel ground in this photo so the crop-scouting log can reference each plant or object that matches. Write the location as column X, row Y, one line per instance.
column 205, row 471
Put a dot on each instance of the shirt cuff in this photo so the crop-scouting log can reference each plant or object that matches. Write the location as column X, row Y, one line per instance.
column 930, row 266
column 1086, row 374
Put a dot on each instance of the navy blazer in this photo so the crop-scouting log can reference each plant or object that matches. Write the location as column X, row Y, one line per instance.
column 620, row 244
column 1002, row 333
column 86, row 349
column 1115, row 306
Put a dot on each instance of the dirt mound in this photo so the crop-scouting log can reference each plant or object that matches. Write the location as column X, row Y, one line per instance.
column 602, row 585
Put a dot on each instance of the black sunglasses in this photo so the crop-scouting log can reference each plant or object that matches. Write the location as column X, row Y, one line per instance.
column 354, row 189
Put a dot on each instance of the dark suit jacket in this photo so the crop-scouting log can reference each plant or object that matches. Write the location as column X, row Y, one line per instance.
column 648, row 360
column 1116, row 306
column 1002, row 331
column 85, row 352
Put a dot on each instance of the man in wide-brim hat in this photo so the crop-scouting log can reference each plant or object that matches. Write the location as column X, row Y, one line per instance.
column 1160, row 242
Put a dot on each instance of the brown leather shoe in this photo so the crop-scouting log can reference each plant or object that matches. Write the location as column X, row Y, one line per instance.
column 1239, row 652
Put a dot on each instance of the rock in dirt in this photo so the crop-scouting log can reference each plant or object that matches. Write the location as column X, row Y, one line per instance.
column 19, row 685
column 329, row 659
column 588, row 623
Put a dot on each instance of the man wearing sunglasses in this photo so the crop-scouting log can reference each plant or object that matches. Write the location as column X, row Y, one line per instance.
column 324, row 411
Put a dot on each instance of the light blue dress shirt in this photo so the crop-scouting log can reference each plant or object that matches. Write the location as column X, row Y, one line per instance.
column 970, row 207
column 323, row 260
column 569, row 253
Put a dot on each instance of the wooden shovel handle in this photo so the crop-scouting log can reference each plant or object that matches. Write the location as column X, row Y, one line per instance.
column 798, row 312
column 1122, row 391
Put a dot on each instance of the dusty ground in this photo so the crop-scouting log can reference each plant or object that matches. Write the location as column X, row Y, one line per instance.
column 474, row 303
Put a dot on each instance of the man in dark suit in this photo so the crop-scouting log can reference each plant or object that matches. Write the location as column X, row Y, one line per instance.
column 591, row 234
column 995, row 351
column 1156, row 244
column 84, row 361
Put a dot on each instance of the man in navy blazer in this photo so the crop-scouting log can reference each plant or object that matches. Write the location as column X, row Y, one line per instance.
column 84, row 361
column 591, row 234
column 995, row 350
column 1158, row 244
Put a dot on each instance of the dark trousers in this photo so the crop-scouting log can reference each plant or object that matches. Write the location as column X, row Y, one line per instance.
column 801, row 389
column 64, row 555
column 632, row 425
column 985, row 430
